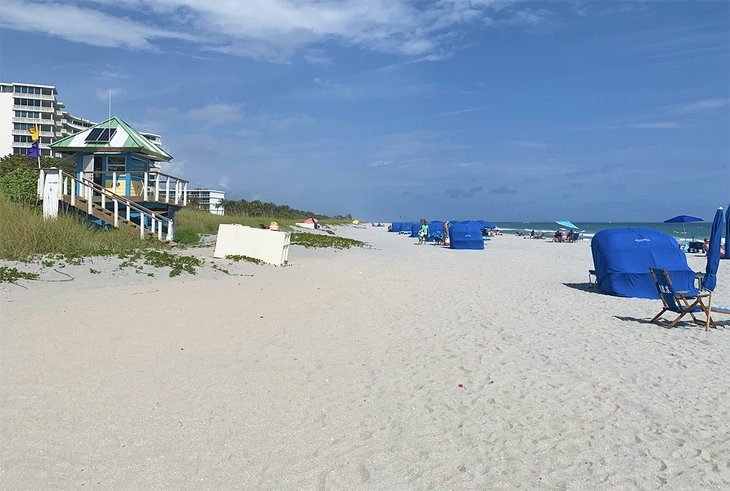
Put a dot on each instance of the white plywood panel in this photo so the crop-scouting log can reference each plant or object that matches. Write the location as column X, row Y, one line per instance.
column 269, row 246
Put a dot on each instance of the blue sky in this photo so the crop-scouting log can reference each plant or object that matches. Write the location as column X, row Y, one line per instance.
column 503, row 110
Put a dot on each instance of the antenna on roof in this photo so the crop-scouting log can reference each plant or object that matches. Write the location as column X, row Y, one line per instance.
column 110, row 117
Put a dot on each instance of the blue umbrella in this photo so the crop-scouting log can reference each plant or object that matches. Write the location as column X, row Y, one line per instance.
column 727, row 233
column 566, row 224
column 683, row 219
column 713, row 253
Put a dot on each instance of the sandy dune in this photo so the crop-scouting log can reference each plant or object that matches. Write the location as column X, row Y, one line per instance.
column 343, row 371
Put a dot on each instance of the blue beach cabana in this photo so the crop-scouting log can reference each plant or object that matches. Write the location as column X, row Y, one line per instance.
column 465, row 235
column 435, row 230
column 622, row 258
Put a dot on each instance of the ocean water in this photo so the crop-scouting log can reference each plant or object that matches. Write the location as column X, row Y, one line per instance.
column 691, row 231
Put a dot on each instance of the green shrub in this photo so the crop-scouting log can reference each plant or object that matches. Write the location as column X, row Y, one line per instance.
column 316, row 240
column 20, row 185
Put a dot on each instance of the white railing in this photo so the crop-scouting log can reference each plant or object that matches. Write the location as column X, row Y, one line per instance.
column 147, row 185
column 70, row 188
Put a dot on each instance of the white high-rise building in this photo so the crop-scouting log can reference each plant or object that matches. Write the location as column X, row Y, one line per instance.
column 24, row 105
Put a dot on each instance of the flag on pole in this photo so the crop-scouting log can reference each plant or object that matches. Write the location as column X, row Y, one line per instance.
column 34, row 151
column 33, row 130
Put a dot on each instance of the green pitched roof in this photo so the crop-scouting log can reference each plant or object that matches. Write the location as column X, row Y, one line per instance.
column 124, row 139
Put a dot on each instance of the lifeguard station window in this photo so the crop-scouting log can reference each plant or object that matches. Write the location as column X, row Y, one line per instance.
column 101, row 135
column 115, row 164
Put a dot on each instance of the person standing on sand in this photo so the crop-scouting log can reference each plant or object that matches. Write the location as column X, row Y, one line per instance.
column 423, row 233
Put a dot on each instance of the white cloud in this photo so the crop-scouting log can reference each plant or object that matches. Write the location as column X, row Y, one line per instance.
column 266, row 29
column 701, row 105
column 224, row 182
column 468, row 110
column 216, row 114
column 317, row 57
column 103, row 94
column 659, row 125
column 84, row 25
column 529, row 144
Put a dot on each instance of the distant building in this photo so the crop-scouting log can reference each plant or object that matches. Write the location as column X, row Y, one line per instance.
column 208, row 199
column 24, row 105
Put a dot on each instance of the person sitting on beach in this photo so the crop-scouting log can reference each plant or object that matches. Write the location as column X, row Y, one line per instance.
column 557, row 236
column 706, row 245
column 532, row 233
column 570, row 236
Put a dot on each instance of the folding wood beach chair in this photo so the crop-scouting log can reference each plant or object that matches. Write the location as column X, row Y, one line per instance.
column 681, row 302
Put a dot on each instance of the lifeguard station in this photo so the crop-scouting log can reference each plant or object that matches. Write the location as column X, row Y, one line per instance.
column 117, row 181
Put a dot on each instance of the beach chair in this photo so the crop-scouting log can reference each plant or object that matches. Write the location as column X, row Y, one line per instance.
column 681, row 302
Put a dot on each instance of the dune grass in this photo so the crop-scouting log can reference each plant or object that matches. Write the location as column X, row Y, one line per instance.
column 24, row 234
column 190, row 224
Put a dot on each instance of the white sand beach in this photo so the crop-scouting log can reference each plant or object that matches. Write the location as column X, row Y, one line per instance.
column 391, row 367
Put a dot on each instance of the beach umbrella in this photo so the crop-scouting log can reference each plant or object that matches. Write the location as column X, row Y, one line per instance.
column 683, row 219
column 713, row 253
column 566, row 224
column 727, row 233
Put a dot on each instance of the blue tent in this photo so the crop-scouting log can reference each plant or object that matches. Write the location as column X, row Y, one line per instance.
column 395, row 227
column 465, row 235
column 709, row 282
column 435, row 229
column 622, row 257
column 415, row 228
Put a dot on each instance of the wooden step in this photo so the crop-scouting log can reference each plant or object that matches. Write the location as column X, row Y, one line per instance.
column 105, row 215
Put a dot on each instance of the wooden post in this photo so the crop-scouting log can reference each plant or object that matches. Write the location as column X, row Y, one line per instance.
column 185, row 194
column 114, row 182
column 116, row 213
column 177, row 191
column 170, row 232
column 128, row 210
column 146, row 183
column 141, row 225
column 167, row 189
column 41, row 184
column 157, row 188
column 73, row 194
column 159, row 231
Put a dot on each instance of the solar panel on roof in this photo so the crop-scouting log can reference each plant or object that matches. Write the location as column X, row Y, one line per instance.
column 101, row 135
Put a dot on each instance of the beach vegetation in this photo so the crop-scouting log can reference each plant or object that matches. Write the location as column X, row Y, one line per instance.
column 11, row 162
column 238, row 257
column 11, row 275
column 319, row 240
column 20, row 185
column 189, row 221
column 160, row 259
column 24, row 234
column 258, row 208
